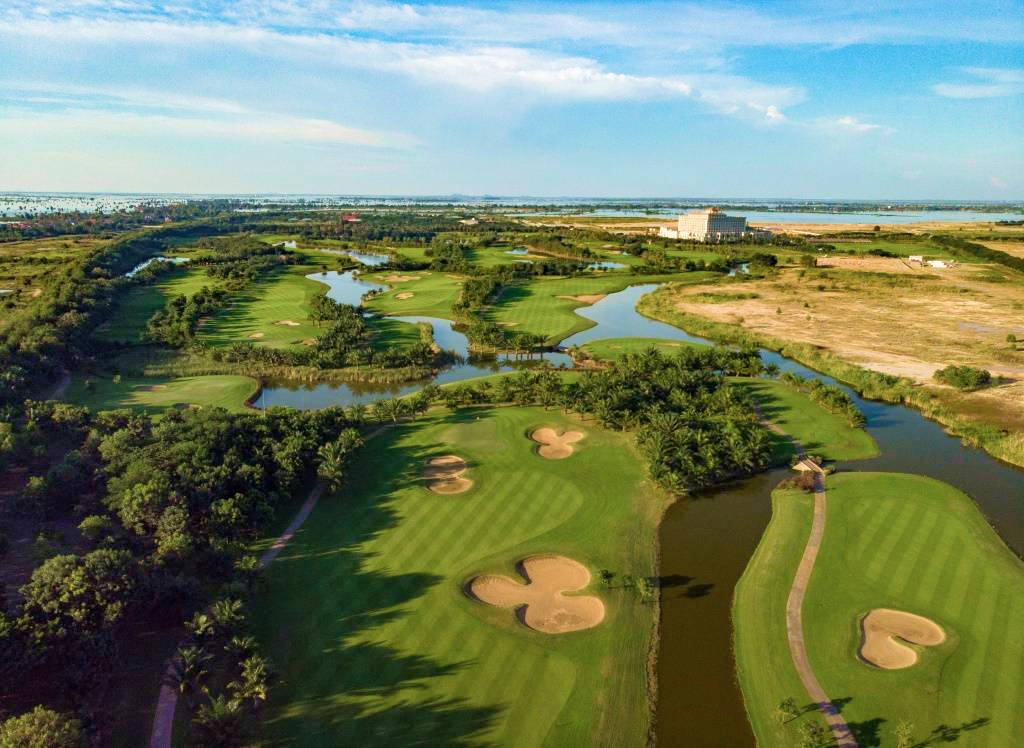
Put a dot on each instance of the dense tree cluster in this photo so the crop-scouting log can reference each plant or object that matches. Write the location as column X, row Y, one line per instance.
column 828, row 396
column 177, row 322
column 693, row 428
column 165, row 508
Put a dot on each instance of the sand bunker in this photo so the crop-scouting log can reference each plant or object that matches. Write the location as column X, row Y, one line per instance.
column 400, row 278
column 882, row 629
column 541, row 603
column 555, row 446
column 257, row 335
column 288, row 323
column 404, row 295
column 444, row 475
column 151, row 387
column 309, row 341
column 592, row 298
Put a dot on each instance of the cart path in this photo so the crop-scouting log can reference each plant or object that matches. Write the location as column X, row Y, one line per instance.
column 795, row 603
column 167, row 702
column 794, row 622
column 163, row 717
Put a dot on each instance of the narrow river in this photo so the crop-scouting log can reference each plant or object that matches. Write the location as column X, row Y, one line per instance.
column 707, row 539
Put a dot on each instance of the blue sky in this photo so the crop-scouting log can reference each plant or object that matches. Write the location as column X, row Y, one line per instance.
column 786, row 99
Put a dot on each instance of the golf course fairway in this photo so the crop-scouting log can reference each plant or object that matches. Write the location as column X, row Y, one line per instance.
column 894, row 541
column 366, row 613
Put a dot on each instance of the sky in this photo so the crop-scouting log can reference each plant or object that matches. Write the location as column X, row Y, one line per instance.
column 826, row 100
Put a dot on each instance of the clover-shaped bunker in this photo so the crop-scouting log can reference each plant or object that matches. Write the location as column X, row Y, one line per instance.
column 541, row 603
column 555, row 446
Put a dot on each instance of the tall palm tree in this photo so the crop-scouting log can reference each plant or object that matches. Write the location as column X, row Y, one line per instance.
column 189, row 669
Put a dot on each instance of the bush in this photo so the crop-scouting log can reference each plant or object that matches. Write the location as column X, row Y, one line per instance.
column 42, row 728
column 964, row 378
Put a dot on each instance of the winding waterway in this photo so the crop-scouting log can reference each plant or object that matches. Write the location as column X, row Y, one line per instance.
column 707, row 539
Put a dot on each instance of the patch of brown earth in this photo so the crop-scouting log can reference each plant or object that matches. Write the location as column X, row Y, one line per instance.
column 288, row 323
column 555, row 446
column 541, row 603
column 592, row 298
column 257, row 335
column 309, row 341
column 1011, row 248
column 401, row 278
column 871, row 264
column 151, row 387
column 404, row 295
column 444, row 475
column 884, row 632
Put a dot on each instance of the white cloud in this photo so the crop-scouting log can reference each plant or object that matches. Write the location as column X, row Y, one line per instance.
column 850, row 124
column 993, row 82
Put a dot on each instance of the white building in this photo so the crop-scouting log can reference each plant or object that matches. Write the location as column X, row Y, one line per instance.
column 711, row 225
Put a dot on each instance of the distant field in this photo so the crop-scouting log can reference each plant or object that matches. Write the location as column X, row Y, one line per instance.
column 138, row 304
column 365, row 617
column 820, row 432
column 891, row 541
column 611, row 349
column 156, row 395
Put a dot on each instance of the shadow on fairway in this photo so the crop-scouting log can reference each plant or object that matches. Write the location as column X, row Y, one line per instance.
column 340, row 684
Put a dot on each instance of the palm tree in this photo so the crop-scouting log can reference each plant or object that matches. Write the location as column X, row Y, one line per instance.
column 188, row 671
column 220, row 723
column 332, row 457
column 252, row 683
column 228, row 614
column 357, row 413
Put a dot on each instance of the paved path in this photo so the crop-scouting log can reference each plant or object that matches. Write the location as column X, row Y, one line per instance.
column 795, row 602
column 795, row 627
column 167, row 702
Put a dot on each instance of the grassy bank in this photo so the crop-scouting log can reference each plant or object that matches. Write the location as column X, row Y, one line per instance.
column 943, row 405
column 156, row 395
column 897, row 541
column 611, row 349
column 821, row 433
column 366, row 618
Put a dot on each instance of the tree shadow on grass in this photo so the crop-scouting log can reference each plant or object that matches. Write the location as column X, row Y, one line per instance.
column 343, row 682
column 949, row 733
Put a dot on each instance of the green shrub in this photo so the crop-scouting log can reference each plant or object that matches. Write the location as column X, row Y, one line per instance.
column 963, row 377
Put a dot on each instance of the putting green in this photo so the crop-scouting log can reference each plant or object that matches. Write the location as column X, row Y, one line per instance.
column 896, row 541
column 433, row 294
column 158, row 394
column 820, row 432
column 366, row 617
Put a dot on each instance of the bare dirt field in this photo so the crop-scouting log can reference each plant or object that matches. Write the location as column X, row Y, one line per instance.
column 444, row 475
column 1011, row 248
column 907, row 324
column 555, row 446
column 882, row 631
column 541, row 603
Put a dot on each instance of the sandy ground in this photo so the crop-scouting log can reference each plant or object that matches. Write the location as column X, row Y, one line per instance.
column 257, row 335
column 592, row 298
column 151, row 387
column 404, row 295
column 401, row 278
column 872, row 264
column 541, row 603
column 911, row 326
column 289, row 323
column 882, row 629
column 555, row 446
column 444, row 475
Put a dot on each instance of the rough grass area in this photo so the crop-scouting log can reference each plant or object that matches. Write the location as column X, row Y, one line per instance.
column 611, row 349
column 128, row 322
column 366, row 617
column 155, row 395
column 538, row 307
column 895, row 541
column 821, row 433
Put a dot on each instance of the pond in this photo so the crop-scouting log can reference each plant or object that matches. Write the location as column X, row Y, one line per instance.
column 142, row 265
column 371, row 260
